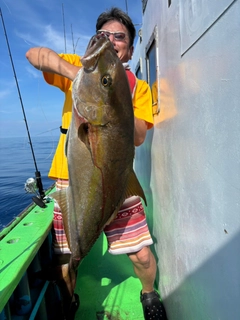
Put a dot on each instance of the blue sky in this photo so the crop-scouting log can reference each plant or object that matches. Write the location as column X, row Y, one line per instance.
column 40, row 23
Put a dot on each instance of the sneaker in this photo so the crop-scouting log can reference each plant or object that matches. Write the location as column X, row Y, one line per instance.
column 153, row 308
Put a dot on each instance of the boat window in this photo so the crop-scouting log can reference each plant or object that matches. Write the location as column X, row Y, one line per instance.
column 152, row 74
column 169, row 2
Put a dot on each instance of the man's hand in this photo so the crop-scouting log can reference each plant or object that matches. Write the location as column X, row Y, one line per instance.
column 47, row 60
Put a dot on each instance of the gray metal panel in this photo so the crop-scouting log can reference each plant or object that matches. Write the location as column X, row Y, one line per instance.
column 190, row 164
column 197, row 16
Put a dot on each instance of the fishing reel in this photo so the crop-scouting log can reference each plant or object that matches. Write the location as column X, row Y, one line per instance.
column 30, row 186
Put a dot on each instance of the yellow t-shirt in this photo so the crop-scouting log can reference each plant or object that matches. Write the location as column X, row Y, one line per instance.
column 142, row 102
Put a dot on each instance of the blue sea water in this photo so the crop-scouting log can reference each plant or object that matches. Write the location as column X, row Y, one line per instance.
column 16, row 166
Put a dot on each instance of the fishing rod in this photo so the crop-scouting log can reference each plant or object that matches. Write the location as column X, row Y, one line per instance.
column 64, row 29
column 126, row 3
column 37, row 200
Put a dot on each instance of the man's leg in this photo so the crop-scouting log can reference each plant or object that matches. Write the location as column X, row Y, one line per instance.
column 128, row 233
column 145, row 268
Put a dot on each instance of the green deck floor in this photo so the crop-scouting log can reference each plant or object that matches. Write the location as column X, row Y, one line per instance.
column 107, row 286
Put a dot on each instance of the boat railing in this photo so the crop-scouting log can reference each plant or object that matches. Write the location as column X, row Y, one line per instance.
column 25, row 249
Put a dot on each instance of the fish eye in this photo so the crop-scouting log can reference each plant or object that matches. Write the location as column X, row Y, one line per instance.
column 106, row 80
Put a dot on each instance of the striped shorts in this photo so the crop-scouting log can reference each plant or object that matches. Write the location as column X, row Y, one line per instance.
column 127, row 233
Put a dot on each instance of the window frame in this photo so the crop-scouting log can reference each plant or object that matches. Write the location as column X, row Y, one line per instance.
column 153, row 45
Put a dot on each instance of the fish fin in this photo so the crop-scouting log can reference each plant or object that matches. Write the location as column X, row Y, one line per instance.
column 83, row 134
column 113, row 216
column 134, row 188
column 61, row 197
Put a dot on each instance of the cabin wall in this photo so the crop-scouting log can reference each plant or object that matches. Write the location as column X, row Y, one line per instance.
column 190, row 164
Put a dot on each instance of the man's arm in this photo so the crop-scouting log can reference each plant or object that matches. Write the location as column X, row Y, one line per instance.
column 47, row 60
column 140, row 130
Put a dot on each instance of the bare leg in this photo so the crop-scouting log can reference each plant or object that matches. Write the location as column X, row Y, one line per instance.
column 144, row 265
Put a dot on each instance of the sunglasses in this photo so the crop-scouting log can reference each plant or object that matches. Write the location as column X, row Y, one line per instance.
column 118, row 36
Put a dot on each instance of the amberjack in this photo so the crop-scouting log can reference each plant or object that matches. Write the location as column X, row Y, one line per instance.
column 100, row 154
column 99, row 148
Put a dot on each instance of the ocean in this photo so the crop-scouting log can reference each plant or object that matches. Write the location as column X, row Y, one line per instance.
column 16, row 166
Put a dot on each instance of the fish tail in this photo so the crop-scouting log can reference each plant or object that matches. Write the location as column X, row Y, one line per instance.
column 134, row 188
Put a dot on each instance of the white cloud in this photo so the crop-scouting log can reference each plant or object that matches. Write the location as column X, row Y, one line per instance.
column 47, row 36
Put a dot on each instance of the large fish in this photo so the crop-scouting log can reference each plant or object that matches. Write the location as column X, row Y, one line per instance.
column 99, row 148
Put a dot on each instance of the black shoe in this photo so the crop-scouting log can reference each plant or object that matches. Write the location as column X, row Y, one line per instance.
column 74, row 306
column 153, row 308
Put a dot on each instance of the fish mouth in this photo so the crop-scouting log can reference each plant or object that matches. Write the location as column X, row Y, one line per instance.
column 97, row 45
column 80, row 117
column 89, row 114
column 95, row 39
column 92, row 119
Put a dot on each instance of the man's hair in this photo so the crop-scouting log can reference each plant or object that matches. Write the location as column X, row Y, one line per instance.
column 120, row 16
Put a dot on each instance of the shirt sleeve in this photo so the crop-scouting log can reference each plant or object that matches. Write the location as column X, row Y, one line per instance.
column 142, row 102
column 58, row 81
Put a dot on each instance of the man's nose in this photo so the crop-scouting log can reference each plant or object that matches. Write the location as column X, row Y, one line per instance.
column 111, row 38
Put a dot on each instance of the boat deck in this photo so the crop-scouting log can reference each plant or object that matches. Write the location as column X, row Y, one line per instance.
column 107, row 286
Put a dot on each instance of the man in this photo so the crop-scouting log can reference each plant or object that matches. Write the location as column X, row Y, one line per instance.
column 60, row 71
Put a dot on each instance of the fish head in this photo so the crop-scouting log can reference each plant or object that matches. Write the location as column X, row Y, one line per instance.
column 100, row 84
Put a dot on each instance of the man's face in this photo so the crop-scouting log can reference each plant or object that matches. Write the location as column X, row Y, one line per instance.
column 124, row 51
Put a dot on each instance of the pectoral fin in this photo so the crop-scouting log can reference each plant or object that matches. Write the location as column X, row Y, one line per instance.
column 134, row 188
column 83, row 134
